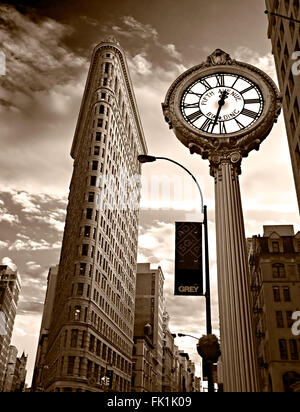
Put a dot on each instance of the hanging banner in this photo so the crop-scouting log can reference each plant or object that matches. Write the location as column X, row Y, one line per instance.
column 188, row 259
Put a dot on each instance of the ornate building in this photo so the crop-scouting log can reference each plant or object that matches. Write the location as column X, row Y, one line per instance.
column 40, row 365
column 148, row 329
column 92, row 320
column 274, row 261
column 285, row 37
column 10, row 286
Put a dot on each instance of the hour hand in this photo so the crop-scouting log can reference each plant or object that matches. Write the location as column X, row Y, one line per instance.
column 221, row 104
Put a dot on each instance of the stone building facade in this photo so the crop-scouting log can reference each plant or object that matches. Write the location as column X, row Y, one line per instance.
column 92, row 321
column 10, row 286
column 285, row 37
column 274, row 261
column 148, row 327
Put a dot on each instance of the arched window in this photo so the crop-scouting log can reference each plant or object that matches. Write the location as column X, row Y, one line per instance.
column 278, row 270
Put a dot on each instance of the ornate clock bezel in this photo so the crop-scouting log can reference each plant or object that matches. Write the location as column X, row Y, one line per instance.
column 243, row 141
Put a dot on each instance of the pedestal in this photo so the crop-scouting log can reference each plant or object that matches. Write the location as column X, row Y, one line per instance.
column 237, row 339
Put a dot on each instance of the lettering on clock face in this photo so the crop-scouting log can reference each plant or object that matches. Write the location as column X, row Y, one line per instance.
column 222, row 103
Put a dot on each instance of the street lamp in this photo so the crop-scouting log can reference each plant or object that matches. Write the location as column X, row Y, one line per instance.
column 183, row 335
column 271, row 13
column 150, row 159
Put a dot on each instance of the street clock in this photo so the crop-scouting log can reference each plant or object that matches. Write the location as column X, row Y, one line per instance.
column 222, row 104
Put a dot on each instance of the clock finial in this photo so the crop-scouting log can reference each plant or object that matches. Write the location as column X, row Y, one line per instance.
column 219, row 57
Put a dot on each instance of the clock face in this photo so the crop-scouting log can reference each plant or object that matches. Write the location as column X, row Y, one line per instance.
column 222, row 103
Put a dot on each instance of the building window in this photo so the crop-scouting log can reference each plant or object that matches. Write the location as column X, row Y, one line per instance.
column 91, row 197
column 297, row 155
column 278, row 270
column 77, row 313
column 283, row 349
column 85, row 250
column 98, row 136
column 93, row 180
column 89, row 369
column 82, row 269
column 87, row 231
column 289, row 319
column 96, row 150
column 276, row 293
column 275, row 247
column 80, row 287
column 287, row 5
column 279, row 320
column 95, row 165
column 294, row 350
column 282, row 31
column 101, row 109
column 292, row 29
column 92, row 343
column 287, row 294
column 74, row 338
column 89, row 213
column 296, row 7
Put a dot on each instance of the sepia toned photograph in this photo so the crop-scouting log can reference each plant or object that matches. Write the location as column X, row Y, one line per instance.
column 150, row 199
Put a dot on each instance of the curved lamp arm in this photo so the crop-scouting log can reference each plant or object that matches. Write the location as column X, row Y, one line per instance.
column 150, row 159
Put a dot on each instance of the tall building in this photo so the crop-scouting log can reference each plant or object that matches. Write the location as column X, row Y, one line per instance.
column 40, row 365
column 169, row 362
column 285, row 37
column 10, row 369
column 91, row 331
column 149, row 309
column 15, row 371
column 10, row 287
column 274, row 261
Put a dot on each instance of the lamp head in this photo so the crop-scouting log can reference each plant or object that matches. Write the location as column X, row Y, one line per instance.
column 146, row 159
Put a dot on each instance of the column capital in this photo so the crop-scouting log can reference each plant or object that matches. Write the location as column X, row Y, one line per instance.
column 217, row 159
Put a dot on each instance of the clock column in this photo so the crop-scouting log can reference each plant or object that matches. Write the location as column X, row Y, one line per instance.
column 237, row 340
column 225, row 152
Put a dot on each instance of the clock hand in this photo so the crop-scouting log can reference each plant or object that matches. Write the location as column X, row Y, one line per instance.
column 221, row 104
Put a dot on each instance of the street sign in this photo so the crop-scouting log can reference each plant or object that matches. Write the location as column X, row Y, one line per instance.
column 188, row 259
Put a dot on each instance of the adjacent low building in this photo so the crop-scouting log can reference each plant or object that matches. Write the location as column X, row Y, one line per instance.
column 10, row 286
column 274, row 261
column 15, row 374
column 158, row 365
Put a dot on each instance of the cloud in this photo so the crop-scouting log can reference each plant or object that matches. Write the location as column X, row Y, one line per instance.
column 144, row 31
column 265, row 62
column 26, row 201
column 25, row 243
column 33, row 266
column 140, row 64
column 3, row 245
column 171, row 49
column 7, row 217
column 42, row 90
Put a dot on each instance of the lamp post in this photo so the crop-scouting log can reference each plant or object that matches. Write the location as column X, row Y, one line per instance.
column 150, row 159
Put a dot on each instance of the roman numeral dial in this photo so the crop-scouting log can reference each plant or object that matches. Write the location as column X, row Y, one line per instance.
column 222, row 104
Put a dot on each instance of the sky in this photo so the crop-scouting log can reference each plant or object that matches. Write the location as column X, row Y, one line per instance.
column 48, row 45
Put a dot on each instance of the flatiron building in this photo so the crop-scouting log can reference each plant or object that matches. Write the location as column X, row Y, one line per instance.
column 90, row 340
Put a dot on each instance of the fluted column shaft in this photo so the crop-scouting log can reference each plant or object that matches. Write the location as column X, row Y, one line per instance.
column 237, row 340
